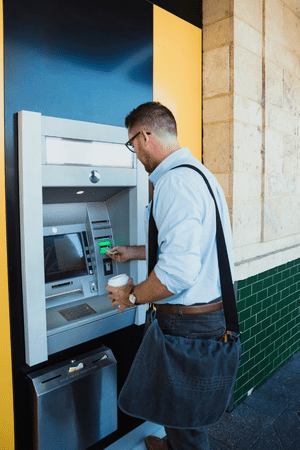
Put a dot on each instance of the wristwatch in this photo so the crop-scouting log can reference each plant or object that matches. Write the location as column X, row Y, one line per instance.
column 132, row 297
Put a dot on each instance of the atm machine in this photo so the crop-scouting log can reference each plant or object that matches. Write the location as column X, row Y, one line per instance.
column 81, row 193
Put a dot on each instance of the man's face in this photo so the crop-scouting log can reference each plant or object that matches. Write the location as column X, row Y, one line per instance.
column 142, row 150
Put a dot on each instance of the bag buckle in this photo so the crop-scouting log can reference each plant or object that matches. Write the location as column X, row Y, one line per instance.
column 228, row 333
column 226, row 336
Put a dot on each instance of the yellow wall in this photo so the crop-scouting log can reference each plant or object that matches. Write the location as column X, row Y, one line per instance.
column 177, row 74
column 6, row 409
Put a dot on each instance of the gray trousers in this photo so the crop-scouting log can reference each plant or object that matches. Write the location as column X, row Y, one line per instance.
column 202, row 326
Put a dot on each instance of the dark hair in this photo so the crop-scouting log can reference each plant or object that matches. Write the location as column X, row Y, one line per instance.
column 154, row 116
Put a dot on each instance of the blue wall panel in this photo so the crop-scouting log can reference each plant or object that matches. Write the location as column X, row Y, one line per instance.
column 80, row 60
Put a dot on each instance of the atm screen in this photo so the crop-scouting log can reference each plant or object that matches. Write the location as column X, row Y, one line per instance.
column 64, row 257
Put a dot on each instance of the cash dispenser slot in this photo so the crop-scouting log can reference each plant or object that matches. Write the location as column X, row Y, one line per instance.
column 55, row 286
column 62, row 294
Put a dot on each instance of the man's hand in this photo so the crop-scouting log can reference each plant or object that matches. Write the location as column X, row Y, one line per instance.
column 122, row 253
column 120, row 295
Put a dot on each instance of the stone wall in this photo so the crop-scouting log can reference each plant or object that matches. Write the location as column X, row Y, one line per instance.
column 251, row 123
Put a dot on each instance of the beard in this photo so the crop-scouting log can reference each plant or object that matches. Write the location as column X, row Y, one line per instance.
column 149, row 164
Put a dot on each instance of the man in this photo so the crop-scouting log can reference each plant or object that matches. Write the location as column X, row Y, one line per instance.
column 185, row 283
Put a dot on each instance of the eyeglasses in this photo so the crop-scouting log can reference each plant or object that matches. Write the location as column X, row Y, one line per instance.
column 129, row 143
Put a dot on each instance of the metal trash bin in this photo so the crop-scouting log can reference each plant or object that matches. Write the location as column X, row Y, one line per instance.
column 75, row 402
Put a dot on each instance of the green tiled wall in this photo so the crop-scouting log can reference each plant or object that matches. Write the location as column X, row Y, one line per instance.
column 269, row 314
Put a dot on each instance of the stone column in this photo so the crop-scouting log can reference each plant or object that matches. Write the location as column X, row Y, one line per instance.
column 218, row 91
column 251, row 110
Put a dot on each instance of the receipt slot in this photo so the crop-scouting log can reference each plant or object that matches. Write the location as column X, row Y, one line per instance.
column 81, row 193
column 75, row 402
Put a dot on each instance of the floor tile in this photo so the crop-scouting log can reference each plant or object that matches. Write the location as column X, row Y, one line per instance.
column 287, row 427
column 270, row 406
column 284, row 384
column 250, row 418
column 294, row 363
column 295, row 405
column 268, row 441
column 232, row 435
column 215, row 445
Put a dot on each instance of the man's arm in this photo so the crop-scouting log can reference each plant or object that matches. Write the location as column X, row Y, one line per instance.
column 122, row 253
column 149, row 291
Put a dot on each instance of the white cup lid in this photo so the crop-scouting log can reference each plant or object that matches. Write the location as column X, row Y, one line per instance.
column 119, row 280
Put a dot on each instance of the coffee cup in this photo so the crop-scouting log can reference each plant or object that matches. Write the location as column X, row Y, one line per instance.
column 118, row 281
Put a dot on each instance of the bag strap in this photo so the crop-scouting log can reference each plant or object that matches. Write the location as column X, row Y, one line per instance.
column 228, row 295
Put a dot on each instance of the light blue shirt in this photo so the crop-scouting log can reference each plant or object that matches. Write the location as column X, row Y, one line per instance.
column 185, row 216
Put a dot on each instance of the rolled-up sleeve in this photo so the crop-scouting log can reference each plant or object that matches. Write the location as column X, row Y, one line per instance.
column 178, row 212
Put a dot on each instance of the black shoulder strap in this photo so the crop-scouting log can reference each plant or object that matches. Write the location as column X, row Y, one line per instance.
column 152, row 242
column 228, row 295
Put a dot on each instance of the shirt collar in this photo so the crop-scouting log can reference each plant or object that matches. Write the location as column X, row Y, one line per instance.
column 168, row 163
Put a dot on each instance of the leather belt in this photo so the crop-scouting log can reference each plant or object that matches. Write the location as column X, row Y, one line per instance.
column 193, row 309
